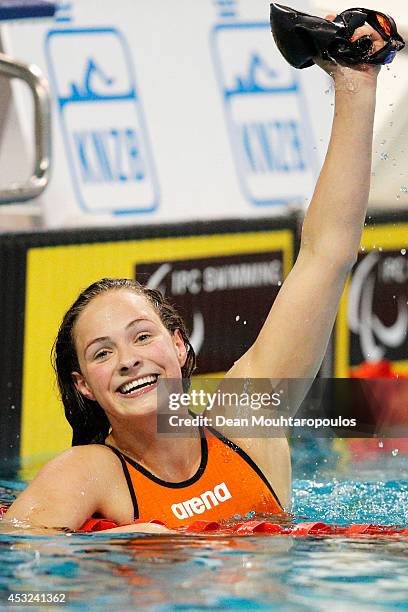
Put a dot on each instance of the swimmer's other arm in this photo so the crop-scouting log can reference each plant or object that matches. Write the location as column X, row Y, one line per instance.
column 65, row 493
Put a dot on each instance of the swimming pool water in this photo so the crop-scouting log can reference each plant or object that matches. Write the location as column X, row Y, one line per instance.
column 216, row 572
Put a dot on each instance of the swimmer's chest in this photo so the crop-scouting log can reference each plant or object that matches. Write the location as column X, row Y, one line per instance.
column 227, row 483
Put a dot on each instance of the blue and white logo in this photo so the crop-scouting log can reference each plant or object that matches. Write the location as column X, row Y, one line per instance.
column 265, row 114
column 102, row 121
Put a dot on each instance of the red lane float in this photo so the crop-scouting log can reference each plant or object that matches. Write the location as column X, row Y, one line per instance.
column 265, row 528
column 304, row 529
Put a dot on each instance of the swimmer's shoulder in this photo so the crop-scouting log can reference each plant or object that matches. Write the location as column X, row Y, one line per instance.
column 85, row 459
column 92, row 462
column 106, row 470
column 91, row 466
column 72, row 487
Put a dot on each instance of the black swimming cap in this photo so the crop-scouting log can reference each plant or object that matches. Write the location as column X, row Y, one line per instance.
column 301, row 37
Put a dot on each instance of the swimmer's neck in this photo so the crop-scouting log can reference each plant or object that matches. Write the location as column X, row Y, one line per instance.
column 171, row 459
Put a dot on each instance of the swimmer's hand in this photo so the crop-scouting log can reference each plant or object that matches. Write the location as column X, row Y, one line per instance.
column 342, row 73
column 13, row 527
column 153, row 528
column 16, row 527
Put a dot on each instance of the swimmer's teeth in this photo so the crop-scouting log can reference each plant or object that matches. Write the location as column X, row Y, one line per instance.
column 135, row 384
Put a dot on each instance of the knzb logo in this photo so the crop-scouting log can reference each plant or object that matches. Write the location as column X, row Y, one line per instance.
column 265, row 115
column 102, row 121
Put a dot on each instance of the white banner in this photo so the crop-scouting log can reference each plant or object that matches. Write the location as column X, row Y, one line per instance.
column 175, row 110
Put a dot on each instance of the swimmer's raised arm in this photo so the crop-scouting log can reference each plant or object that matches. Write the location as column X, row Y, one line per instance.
column 294, row 338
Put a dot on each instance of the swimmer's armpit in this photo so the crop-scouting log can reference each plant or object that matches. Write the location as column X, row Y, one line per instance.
column 16, row 527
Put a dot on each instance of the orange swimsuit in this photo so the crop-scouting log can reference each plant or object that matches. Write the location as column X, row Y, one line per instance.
column 226, row 483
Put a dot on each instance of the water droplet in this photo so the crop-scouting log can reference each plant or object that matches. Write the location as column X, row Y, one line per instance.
column 384, row 156
column 226, row 455
column 394, row 452
column 237, row 318
column 403, row 251
column 245, row 322
column 404, row 189
column 381, row 444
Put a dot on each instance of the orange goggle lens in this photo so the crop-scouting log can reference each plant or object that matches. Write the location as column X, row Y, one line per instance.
column 384, row 23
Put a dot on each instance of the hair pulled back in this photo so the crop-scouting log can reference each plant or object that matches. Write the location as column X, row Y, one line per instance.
column 88, row 420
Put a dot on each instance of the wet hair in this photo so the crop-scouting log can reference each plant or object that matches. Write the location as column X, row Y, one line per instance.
column 88, row 420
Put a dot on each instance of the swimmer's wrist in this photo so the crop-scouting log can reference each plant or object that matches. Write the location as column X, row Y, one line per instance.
column 357, row 91
column 353, row 81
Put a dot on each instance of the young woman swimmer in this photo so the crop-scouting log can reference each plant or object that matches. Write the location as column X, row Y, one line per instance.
column 118, row 339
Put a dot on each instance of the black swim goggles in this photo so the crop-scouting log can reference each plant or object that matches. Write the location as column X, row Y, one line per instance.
column 301, row 37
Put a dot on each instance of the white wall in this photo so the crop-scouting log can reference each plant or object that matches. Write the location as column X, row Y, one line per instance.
column 190, row 136
column 193, row 160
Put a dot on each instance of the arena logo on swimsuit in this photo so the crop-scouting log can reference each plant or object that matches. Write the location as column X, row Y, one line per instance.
column 198, row 505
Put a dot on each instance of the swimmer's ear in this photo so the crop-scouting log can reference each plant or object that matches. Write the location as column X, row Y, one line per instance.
column 82, row 386
column 180, row 347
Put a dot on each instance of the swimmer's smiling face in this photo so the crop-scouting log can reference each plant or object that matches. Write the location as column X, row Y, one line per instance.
column 123, row 348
